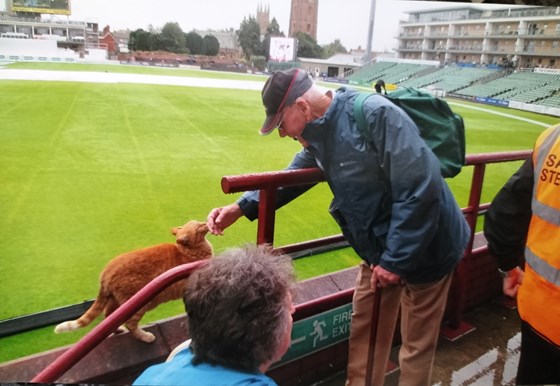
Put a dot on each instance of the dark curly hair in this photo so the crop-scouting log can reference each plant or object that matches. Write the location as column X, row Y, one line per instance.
column 236, row 306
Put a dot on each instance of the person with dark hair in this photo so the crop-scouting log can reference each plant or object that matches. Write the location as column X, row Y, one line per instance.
column 523, row 223
column 380, row 87
column 239, row 308
column 392, row 205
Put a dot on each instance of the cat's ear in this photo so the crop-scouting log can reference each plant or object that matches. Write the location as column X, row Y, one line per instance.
column 175, row 230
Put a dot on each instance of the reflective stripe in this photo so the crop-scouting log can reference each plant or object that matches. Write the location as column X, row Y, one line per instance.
column 547, row 213
column 542, row 268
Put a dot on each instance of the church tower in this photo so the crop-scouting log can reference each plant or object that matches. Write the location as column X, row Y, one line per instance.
column 263, row 17
column 303, row 17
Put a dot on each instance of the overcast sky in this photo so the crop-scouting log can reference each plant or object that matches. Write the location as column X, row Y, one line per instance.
column 346, row 20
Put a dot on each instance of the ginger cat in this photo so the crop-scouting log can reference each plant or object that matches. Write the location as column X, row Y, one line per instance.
column 126, row 274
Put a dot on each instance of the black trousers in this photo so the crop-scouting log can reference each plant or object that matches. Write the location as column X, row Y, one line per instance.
column 539, row 361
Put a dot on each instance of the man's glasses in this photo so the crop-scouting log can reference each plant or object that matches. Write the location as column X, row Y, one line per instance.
column 279, row 124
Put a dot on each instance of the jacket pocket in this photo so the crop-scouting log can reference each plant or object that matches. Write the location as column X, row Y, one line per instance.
column 366, row 248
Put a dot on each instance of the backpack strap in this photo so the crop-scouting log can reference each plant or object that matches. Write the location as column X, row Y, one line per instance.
column 359, row 114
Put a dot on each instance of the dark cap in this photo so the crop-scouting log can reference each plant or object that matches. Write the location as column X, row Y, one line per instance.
column 281, row 90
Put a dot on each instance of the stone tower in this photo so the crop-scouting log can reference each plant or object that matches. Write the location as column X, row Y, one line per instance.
column 303, row 17
column 263, row 17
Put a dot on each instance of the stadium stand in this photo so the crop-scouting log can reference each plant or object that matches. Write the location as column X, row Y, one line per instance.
column 390, row 72
column 34, row 50
column 450, row 78
column 431, row 78
column 553, row 101
column 370, row 71
column 528, row 89
column 533, row 88
column 524, row 86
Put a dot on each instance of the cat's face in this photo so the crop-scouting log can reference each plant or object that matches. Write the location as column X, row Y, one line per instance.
column 190, row 234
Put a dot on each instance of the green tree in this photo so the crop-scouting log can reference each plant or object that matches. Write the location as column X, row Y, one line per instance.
column 194, row 43
column 249, row 37
column 210, row 45
column 307, row 46
column 155, row 43
column 139, row 40
column 273, row 28
column 172, row 38
column 259, row 62
column 334, row 48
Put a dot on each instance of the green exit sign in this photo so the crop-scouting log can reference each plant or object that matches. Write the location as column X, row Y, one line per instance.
column 318, row 332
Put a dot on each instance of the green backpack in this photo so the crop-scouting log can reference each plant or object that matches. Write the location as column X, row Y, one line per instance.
column 441, row 129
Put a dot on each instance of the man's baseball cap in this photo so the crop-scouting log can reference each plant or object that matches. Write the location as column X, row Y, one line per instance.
column 281, row 90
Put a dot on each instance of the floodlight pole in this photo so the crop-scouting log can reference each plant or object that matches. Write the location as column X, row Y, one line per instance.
column 367, row 57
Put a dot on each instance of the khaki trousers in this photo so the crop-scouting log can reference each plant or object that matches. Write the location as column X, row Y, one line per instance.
column 422, row 308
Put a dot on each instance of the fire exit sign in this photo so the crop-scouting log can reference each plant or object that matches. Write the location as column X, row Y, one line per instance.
column 318, row 332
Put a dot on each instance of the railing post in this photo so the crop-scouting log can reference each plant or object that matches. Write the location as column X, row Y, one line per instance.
column 267, row 216
column 456, row 327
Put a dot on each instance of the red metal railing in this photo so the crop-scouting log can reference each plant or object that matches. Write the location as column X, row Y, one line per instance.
column 268, row 183
column 109, row 325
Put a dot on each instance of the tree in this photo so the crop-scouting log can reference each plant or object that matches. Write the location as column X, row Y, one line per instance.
column 334, row 48
column 194, row 43
column 249, row 37
column 139, row 40
column 155, row 43
column 273, row 28
column 172, row 38
column 307, row 46
column 210, row 45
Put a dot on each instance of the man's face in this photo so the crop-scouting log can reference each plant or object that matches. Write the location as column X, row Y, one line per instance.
column 293, row 121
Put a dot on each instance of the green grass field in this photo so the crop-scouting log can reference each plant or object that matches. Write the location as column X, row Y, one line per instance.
column 90, row 171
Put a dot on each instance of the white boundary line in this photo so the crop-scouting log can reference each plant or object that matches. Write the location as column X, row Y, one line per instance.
column 501, row 114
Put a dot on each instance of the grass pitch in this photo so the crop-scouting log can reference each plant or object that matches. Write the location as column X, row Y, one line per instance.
column 90, row 171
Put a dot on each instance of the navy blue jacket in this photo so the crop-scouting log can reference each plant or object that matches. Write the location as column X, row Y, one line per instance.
column 390, row 200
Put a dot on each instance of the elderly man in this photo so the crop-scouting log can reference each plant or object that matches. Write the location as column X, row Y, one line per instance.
column 392, row 205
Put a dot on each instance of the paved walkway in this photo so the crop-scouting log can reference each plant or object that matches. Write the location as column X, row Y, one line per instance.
column 486, row 356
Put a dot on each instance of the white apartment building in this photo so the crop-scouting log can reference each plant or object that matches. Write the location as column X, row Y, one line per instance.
column 519, row 37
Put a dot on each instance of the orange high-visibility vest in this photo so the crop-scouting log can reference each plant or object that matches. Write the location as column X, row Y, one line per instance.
column 539, row 295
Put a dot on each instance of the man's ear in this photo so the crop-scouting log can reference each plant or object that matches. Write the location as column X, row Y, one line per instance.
column 302, row 105
column 305, row 108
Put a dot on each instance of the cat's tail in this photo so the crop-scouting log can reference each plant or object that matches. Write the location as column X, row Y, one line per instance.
column 89, row 316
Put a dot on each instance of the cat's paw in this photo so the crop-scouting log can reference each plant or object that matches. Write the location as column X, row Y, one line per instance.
column 149, row 337
column 144, row 336
column 66, row 326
